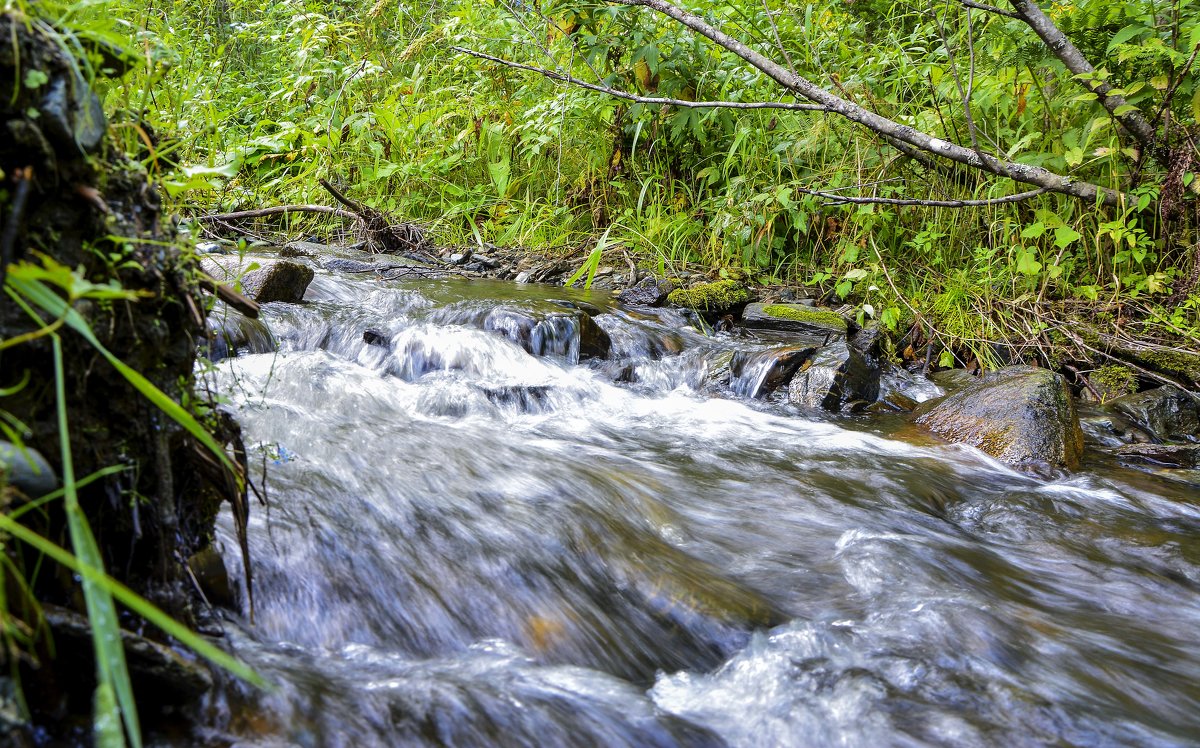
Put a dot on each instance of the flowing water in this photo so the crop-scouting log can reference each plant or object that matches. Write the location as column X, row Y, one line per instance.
column 471, row 544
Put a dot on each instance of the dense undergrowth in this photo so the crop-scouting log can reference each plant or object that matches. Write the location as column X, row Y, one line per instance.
column 246, row 103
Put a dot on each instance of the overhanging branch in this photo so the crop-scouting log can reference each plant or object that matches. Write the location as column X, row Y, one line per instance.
column 1032, row 175
column 653, row 100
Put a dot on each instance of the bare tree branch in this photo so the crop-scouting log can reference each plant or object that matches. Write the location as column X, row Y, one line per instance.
column 835, row 199
column 1070, row 56
column 617, row 93
column 989, row 9
column 1033, row 175
column 276, row 211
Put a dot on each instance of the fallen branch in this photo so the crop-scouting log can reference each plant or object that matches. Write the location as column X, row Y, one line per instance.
column 799, row 85
column 653, row 100
column 225, row 293
column 277, row 210
column 834, row 199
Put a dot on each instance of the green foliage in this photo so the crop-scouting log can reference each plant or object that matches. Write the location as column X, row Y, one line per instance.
column 241, row 104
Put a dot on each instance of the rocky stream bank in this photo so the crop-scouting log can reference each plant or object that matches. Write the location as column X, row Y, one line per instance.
column 814, row 358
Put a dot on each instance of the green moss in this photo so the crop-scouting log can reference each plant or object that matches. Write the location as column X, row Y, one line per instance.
column 1113, row 381
column 711, row 297
column 1172, row 362
column 821, row 317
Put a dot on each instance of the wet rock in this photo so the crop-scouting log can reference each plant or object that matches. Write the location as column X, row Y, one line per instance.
column 759, row 373
column 160, row 675
column 209, row 570
column 26, row 469
column 719, row 297
column 794, row 318
column 375, row 337
column 836, row 376
column 349, row 266
column 648, row 292
column 1171, row 455
column 1108, row 428
column 1020, row 415
column 303, row 249
column 231, row 333
column 953, row 380
column 283, row 281
column 575, row 336
column 71, row 114
column 1166, row 412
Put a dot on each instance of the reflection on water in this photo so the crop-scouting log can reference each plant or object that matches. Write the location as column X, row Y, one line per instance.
column 468, row 544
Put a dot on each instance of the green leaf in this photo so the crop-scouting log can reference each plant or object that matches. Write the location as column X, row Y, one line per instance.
column 1064, row 236
column 1027, row 263
column 855, row 274
column 106, row 721
column 1125, row 35
column 946, row 360
column 1124, row 109
column 1033, row 230
column 35, row 78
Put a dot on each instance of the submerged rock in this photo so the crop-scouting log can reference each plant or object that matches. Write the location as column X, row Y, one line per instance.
column 231, row 333
column 283, row 281
column 1020, row 415
column 837, row 375
column 759, row 373
column 1166, row 412
column 575, row 336
column 794, row 318
column 1171, row 455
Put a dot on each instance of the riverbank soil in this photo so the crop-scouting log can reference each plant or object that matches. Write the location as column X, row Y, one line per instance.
column 72, row 204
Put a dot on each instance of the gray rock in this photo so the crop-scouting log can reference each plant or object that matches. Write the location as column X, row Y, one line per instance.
column 1166, row 412
column 648, row 292
column 284, row 281
column 72, row 114
column 1022, row 416
column 27, row 469
column 837, row 375
column 794, row 318
column 376, row 338
column 523, row 276
column 154, row 668
column 1171, row 455
column 350, row 266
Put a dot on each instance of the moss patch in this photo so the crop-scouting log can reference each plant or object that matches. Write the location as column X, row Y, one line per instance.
column 1172, row 362
column 711, row 297
column 821, row 317
column 1113, row 381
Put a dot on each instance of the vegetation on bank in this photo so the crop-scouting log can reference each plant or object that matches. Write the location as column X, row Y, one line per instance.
column 242, row 103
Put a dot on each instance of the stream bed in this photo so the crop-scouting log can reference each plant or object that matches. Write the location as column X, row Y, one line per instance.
column 471, row 541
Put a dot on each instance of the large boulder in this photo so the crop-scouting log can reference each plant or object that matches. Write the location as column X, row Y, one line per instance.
column 1166, row 412
column 283, row 281
column 837, row 375
column 1020, row 415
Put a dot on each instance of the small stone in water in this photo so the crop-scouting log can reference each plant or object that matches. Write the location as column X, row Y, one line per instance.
column 375, row 337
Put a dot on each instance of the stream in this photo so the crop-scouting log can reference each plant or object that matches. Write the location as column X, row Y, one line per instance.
column 467, row 543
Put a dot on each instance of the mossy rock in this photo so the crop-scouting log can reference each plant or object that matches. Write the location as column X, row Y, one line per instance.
column 1112, row 381
column 1022, row 416
column 794, row 318
column 720, row 296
